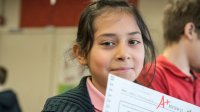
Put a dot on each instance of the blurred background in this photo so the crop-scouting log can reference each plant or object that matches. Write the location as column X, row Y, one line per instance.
column 34, row 35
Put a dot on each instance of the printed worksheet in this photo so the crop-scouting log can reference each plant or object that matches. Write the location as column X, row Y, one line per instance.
column 126, row 96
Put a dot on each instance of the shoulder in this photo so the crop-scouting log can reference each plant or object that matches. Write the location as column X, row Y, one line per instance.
column 8, row 93
column 57, row 104
column 159, row 69
column 75, row 100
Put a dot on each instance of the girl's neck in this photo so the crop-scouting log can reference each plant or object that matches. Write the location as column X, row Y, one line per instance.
column 98, row 87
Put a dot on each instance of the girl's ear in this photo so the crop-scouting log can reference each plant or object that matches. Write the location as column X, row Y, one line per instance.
column 79, row 54
column 189, row 30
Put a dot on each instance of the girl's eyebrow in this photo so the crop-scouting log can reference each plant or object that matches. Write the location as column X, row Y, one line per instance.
column 106, row 35
column 134, row 33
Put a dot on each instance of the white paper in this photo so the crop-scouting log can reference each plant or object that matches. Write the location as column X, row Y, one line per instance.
column 126, row 96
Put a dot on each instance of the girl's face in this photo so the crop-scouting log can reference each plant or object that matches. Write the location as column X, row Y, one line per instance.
column 118, row 49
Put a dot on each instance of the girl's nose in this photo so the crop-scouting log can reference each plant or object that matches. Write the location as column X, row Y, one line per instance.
column 122, row 53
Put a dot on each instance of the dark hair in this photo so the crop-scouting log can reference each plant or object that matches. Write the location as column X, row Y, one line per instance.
column 86, row 30
column 3, row 75
column 176, row 15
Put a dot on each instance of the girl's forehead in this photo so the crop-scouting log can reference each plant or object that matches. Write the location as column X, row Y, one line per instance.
column 109, row 12
column 111, row 16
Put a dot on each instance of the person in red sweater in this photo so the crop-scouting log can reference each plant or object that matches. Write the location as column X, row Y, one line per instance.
column 173, row 75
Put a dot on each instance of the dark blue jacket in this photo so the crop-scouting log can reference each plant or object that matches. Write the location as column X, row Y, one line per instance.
column 8, row 102
column 75, row 100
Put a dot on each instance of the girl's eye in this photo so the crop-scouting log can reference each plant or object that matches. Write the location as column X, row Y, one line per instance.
column 108, row 43
column 134, row 42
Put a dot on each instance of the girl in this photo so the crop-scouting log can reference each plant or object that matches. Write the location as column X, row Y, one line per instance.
column 111, row 38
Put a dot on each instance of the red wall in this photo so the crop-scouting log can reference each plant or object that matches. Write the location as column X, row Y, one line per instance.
column 39, row 13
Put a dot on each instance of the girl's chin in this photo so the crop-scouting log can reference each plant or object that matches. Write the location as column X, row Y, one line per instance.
column 129, row 77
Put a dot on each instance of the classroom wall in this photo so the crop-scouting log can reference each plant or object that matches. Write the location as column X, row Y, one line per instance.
column 35, row 56
column 152, row 13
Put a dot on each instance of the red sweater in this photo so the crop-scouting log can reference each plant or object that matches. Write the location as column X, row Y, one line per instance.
column 172, row 81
